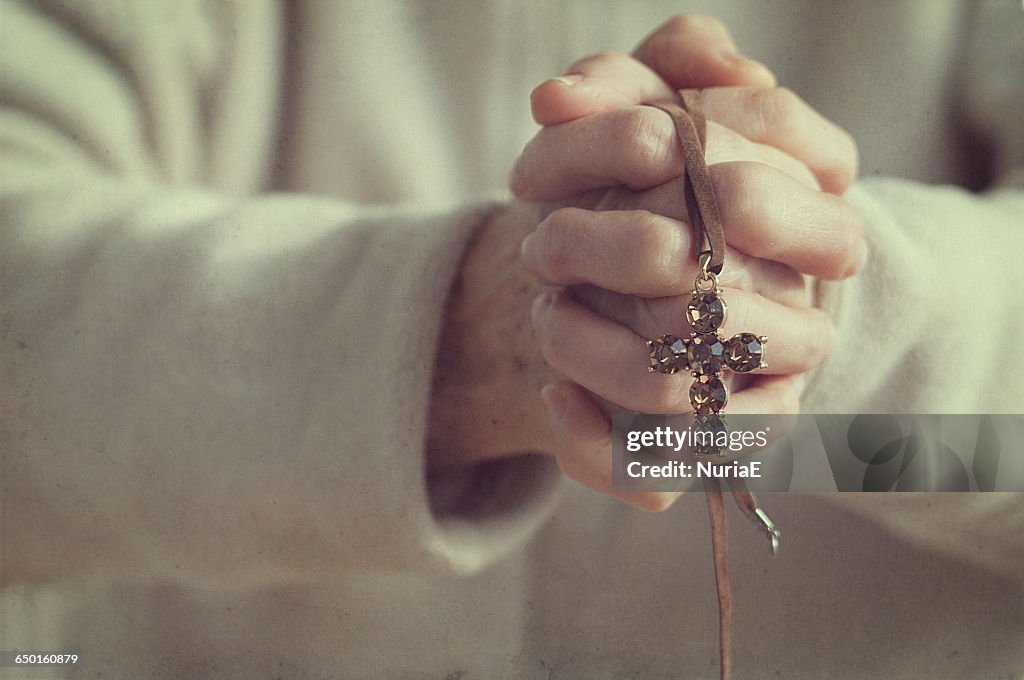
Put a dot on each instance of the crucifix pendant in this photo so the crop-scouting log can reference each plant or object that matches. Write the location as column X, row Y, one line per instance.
column 706, row 353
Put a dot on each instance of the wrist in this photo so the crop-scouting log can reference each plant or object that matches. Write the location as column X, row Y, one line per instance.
column 485, row 402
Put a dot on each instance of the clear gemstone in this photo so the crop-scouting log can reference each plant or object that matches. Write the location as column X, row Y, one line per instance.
column 706, row 312
column 744, row 352
column 705, row 353
column 708, row 395
column 668, row 354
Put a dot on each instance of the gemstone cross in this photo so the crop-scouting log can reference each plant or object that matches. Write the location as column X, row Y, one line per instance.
column 706, row 353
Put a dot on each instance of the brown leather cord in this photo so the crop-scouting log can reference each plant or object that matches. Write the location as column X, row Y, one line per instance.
column 709, row 241
column 691, row 129
column 747, row 503
column 720, row 552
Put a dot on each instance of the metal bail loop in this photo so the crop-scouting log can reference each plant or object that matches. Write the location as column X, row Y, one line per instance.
column 706, row 281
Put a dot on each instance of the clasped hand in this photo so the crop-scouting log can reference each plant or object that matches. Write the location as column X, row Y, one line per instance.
column 609, row 251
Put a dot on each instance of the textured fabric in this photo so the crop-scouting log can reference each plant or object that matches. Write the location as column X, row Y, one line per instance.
column 228, row 231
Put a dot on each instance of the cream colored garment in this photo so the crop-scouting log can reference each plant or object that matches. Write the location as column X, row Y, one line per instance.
column 216, row 344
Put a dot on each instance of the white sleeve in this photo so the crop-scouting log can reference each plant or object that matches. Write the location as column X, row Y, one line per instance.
column 926, row 326
column 935, row 322
column 932, row 325
column 208, row 385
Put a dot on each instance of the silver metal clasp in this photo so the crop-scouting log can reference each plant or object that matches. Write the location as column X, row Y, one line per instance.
column 768, row 526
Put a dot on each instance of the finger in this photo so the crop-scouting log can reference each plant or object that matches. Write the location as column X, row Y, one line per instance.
column 641, row 253
column 585, row 449
column 695, row 51
column 586, row 436
column 610, row 359
column 798, row 338
column 635, row 147
column 727, row 146
column 603, row 82
column 769, row 394
column 779, row 118
column 766, row 215
column 631, row 147
column 691, row 51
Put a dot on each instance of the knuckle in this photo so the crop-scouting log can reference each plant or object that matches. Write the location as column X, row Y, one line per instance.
column 734, row 180
column 650, row 136
column 742, row 186
column 780, row 109
column 656, row 244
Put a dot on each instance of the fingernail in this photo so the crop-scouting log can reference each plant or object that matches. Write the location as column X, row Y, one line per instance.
column 554, row 401
column 569, row 79
column 528, row 253
column 540, row 304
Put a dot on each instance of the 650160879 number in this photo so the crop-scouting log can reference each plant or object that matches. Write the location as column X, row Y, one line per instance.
column 18, row 658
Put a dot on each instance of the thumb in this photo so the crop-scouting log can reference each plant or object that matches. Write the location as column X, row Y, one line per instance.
column 697, row 51
column 690, row 51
